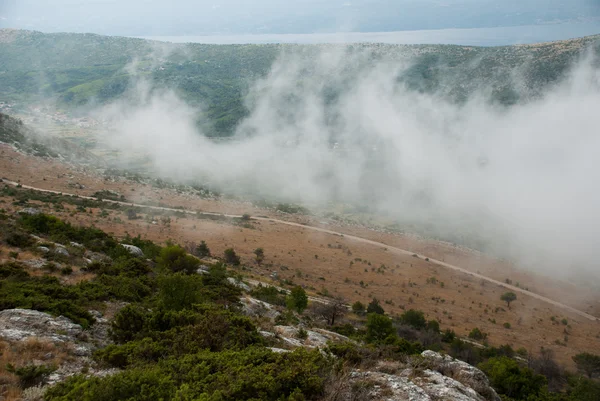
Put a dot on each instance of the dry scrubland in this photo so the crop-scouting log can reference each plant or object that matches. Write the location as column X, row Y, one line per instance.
column 334, row 265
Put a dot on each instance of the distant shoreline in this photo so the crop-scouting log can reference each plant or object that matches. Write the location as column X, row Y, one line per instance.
column 499, row 36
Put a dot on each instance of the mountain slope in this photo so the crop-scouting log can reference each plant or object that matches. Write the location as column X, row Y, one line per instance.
column 83, row 70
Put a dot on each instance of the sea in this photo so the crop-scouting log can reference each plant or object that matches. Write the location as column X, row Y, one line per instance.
column 498, row 36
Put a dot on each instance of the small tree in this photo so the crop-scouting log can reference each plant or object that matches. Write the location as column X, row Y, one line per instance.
column 358, row 308
column 379, row 327
column 202, row 250
column 508, row 297
column 512, row 380
column 588, row 364
column 231, row 257
column 375, row 307
column 433, row 325
column 131, row 214
column 259, row 255
column 297, row 300
column 333, row 310
column 477, row 334
column 178, row 291
column 175, row 259
column 414, row 318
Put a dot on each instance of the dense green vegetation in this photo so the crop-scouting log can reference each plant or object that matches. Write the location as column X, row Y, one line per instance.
column 84, row 69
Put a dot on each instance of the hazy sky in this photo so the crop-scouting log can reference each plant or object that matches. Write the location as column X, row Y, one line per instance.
column 196, row 17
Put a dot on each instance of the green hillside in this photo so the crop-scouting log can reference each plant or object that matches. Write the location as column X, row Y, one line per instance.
column 85, row 69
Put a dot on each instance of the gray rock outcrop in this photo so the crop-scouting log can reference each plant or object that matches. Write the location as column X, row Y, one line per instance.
column 256, row 308
column 430, row 378
column 20, row 324
column 134, row 250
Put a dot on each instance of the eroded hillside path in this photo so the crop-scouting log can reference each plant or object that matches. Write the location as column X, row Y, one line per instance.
column 382, row 245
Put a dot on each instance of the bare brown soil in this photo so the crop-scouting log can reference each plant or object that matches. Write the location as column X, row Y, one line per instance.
column 341, row 266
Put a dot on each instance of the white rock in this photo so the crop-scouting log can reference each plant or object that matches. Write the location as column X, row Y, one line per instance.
column 134, row 250
column 279, row 350
column 60, row 250
column 254, row 307
column 241, row 285
column 30, row 211
column 34, row 263
column 317, row 338
column 19, row 324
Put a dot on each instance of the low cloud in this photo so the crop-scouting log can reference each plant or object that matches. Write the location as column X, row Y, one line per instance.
column 520, row 182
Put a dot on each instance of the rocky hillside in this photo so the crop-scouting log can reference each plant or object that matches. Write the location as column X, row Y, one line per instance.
column 84, row 70
column 86, row 315
column 18, row 135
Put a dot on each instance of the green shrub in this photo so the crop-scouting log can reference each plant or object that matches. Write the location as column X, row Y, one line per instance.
column 414, row 318
column 65, row 271
column 375, row 307
column 379, row 327
column 91, row 237
column 202, row 250
column 348, row 351
column 269, row 294
column 358, row 308
column 302, row 333
column 477, row 334
column 251, row 374
column 433, row 325
column 175, row 259
column 129, row 323
column 140, row 384
column 179, row 291
column 123, row 288
column 31, row 375
column 508, row 378
column 231, row 257
column 45, row 294
column 448, row 336
column 297, row 300
column 20, row 240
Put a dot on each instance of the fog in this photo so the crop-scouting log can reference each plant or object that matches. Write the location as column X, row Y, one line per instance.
column 520, row 182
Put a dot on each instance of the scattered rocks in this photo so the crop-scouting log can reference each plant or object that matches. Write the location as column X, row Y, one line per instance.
column 279, row 350
column 97, row 257
column 34, row 263
column 20, row 324
column 30, row 211
column 462, row 382
column 241, row 285
column 316, row 338
column 254, row 307
column 461, row 371
column 43, row 249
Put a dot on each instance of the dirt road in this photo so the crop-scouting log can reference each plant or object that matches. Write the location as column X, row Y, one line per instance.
column 347, row 237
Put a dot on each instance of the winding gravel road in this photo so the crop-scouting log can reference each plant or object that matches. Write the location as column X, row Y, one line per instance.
column 392, row 249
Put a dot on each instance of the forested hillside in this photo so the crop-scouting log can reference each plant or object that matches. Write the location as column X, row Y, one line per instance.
column 82, row 70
